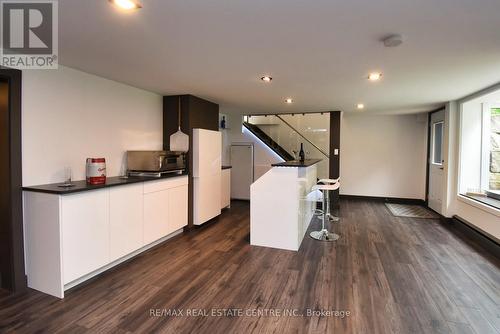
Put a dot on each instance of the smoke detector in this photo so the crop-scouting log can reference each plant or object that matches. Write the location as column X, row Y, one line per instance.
column 392, row 41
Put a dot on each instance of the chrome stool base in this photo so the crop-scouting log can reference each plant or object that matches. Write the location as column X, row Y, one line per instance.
column 324, row 235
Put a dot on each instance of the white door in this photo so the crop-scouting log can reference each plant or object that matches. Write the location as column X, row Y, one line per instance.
column 242, row 171
column 436, row 162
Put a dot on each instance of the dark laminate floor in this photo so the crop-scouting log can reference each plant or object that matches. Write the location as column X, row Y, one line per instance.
column 396, row 275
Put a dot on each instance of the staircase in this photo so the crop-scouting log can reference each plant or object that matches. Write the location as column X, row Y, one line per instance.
column 268, row 141
column 284, row 134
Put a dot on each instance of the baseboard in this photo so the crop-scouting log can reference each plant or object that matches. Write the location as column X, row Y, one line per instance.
column 483, row 238
column 385, row 199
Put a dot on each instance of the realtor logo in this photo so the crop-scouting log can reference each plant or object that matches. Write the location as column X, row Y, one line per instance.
column 29, row 36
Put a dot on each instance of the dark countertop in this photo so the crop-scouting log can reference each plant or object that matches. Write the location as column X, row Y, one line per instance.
column 226, row 167
column 81, row 186
column 297, row 163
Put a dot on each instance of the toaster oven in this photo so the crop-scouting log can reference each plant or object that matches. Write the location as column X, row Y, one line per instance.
column 155, row 163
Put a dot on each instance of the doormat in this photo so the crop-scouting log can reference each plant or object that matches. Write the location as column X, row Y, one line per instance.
column 410, row 211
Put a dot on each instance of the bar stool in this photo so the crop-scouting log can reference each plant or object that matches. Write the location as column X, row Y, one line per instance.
column 328, row 212
column 315, row 196
column 324, row 235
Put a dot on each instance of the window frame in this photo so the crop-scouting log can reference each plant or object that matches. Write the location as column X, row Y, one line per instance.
column 486, row 145
column 433, row 150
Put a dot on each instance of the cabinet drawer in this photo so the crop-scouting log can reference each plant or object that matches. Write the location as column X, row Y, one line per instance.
column 154, row 186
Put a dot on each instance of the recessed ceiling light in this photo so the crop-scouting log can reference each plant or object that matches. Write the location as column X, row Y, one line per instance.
column 288, row 100
column 126, row 4
column 375, row 76
column 360, row 106
column 266, row 78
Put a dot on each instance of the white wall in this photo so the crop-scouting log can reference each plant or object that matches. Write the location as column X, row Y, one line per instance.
column 471, row 146
column 68, row 115
column 314, row 127
column 263, row 155
column 383, row 156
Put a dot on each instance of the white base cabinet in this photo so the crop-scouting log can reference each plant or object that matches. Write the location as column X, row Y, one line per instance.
column 126, row 220
column 70, row 238
column 226, row 188
column 156, row 215
column 178, row 208
column 85, row 233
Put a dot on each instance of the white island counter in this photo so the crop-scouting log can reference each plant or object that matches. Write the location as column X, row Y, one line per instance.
column 279, row 211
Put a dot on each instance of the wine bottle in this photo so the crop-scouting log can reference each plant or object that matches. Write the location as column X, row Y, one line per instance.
column 302, row 155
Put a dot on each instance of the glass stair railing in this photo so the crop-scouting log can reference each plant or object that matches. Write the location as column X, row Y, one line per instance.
column 284, row 134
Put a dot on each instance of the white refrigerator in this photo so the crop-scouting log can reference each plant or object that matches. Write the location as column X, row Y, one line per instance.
column 207, row 150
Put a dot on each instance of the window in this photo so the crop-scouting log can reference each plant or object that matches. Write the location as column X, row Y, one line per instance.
column 479, row 147
column 491, row 151
column 437, row 145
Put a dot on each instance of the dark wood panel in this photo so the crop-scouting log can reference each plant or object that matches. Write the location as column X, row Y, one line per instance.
column 335, row 119
column 11, row 224
column 395, row 275
column 5, row 228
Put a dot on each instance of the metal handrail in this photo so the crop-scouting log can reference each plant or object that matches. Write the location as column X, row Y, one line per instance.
column 300, row 134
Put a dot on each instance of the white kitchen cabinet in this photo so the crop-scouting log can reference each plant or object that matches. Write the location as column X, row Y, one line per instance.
column 178, row 208
column 125, row 220
column 225, row 188
column 206, row 175
column 85, row 233
column 72, row 237
column 156, row 208
column 165, row 207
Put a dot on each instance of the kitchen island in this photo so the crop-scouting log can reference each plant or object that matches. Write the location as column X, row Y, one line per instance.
column 279, row 210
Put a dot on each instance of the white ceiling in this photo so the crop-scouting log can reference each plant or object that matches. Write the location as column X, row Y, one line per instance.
column 318, row 51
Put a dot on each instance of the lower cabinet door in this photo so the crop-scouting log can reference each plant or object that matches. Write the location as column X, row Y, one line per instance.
column 178, row 208
column 125, row 220
column 156, row 216
column 206, row 198
column 226, row 188
column 85, row 233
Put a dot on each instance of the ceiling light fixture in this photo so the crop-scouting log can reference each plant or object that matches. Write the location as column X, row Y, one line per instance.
column 126, row 4
column 288, row 100
column 375, row 76
column 360, row 106
column 393, row 40
column 266, row 78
